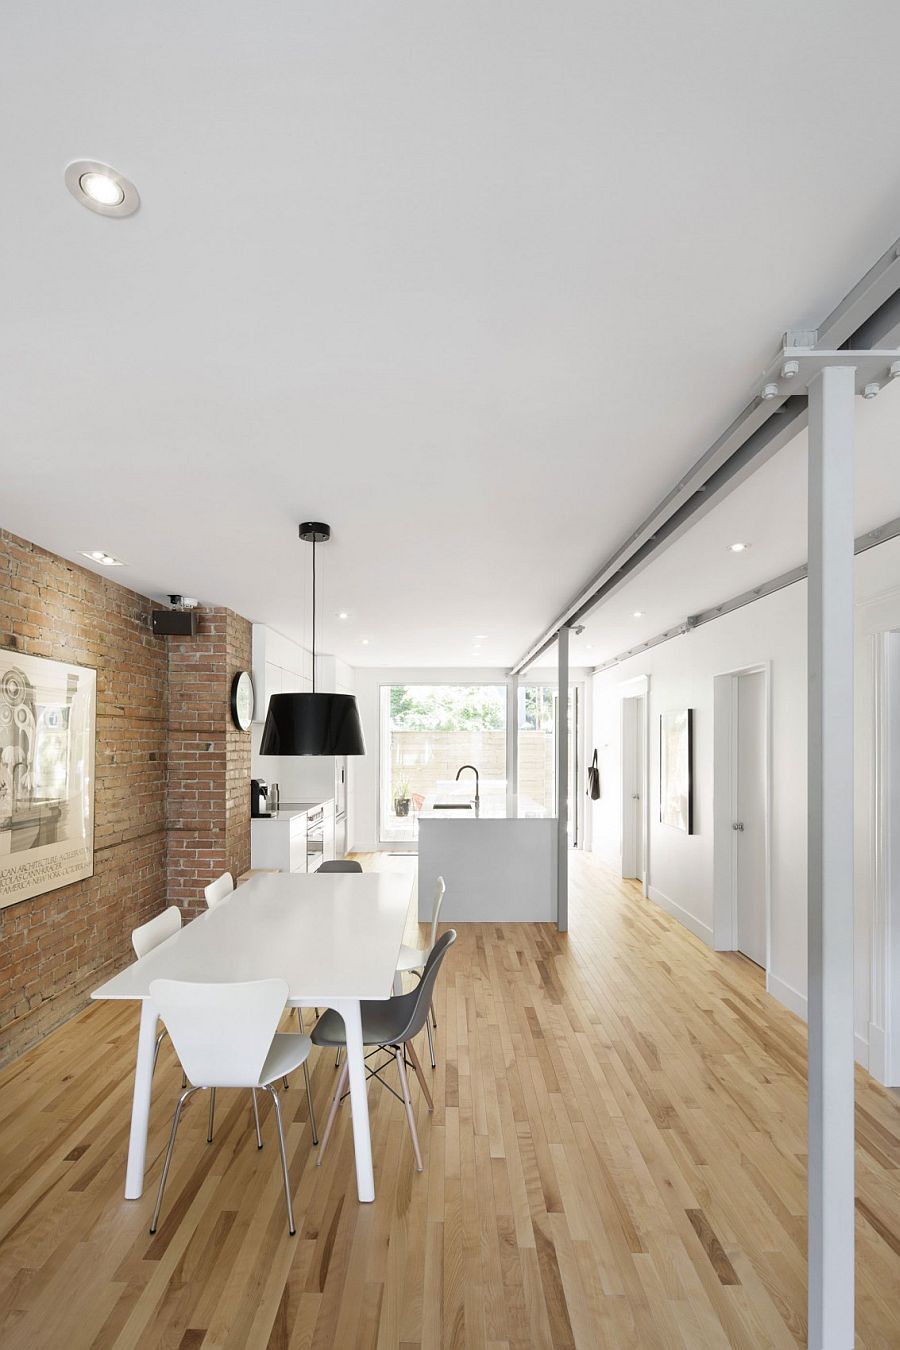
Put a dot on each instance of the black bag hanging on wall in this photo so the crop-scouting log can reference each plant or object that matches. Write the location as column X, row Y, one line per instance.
column 593, row 780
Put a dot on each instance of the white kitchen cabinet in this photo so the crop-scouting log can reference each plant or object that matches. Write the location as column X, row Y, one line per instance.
column 292, row 682
column 273, row 681
column 298, row 858
column 328, row 832
column 280, row 666
column 279, row 841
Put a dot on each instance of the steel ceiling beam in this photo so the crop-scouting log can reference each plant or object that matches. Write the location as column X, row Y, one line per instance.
column 867, row 317
column 871, row 539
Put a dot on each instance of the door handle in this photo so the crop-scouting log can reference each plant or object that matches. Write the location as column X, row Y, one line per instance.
column 635, row 796
column 738, row 825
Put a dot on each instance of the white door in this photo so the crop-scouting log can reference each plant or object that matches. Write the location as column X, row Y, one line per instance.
column 633, row 787
column 749, row 823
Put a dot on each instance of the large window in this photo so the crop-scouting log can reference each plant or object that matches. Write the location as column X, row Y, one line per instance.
column 537, row 721
column 428, row 731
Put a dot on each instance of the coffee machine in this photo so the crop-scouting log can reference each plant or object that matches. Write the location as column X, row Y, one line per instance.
column 259, row 793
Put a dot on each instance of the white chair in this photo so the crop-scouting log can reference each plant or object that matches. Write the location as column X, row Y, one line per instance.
column 226, row 1036
column 413, row 958
column 217, row 890
column 150, row 935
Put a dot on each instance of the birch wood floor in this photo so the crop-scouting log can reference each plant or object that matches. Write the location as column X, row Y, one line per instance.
column 616, row 1158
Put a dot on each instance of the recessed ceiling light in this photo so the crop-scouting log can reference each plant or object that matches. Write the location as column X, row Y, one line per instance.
column 365, row 642
column 738, row 548
column 480, row 637
column 101, row 188
column 343, row 614
column 97, row 555
column 638, row 614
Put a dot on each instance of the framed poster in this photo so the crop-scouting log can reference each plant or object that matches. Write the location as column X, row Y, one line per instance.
column 676, row 769
column 47, row 724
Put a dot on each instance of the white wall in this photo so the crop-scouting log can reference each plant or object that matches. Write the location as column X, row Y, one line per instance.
column 681, row 675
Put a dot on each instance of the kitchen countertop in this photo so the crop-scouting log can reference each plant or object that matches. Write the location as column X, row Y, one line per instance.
column 291, row 810
column 493, row 807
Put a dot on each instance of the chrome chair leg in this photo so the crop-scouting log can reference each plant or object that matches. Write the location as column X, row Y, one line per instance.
column 159, row 1041
column 312, row 1109
column 165, row 1172
column 337, row 1057
column 430, row 1044
column 256, row 1118
column 404, row 1083
column 433, row 1018
column 335, row 1103
column 212, row 1114
column 284, row 1166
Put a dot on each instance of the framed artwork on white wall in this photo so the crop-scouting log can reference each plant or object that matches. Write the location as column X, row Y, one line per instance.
column 676, row 769
column 48, row 712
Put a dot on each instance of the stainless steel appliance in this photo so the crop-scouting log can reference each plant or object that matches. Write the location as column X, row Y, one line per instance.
column 340, row 806
column 259, row 792
column 315, row 838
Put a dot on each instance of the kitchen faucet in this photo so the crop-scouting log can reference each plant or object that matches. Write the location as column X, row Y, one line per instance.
column 475, row 771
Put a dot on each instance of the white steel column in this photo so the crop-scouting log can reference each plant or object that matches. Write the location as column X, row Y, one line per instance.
column 562, row 783
column 512, row 743
column 830, row 848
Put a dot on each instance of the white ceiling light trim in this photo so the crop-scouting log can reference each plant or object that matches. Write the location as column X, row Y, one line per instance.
column 98, row 555
column 101, row 188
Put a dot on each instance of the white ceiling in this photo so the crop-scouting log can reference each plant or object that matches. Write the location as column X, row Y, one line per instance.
column 474, row 283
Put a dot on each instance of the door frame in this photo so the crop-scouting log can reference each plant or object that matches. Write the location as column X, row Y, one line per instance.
column 884, row 1009
column 725, row 733
column 638, row 687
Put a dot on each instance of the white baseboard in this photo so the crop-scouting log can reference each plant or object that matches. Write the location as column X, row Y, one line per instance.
column 878, row 1054
column 690, row 921
column 796, row 1002
column 786, row 994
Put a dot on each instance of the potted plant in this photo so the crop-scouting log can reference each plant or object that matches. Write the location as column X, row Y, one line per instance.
column 401, row 800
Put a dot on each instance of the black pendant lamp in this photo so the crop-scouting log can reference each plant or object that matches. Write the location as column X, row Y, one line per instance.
column 313, row 724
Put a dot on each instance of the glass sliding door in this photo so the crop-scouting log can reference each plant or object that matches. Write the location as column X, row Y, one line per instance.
column 428, row 732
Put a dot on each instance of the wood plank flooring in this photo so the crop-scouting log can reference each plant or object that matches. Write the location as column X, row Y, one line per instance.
column 616, row 1158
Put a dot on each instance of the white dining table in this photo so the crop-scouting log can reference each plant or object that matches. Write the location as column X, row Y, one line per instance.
column 334, row 938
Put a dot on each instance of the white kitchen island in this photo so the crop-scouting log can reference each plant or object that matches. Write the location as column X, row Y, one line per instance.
column 499, row 865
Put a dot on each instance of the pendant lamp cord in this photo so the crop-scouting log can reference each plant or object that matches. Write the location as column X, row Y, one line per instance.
column 314, row 617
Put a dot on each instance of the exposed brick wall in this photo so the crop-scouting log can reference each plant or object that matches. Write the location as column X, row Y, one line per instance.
column 208, row 800
column 58, row 946
column 172, row 797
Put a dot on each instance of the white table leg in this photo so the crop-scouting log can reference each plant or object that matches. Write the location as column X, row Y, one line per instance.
column 140, row 1102
column 359, row 1102
column 398, row 982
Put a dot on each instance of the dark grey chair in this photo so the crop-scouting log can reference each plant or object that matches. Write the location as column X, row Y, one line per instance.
column 388, row 1025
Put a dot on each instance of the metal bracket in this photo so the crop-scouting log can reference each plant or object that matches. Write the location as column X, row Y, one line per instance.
column 791, row 371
